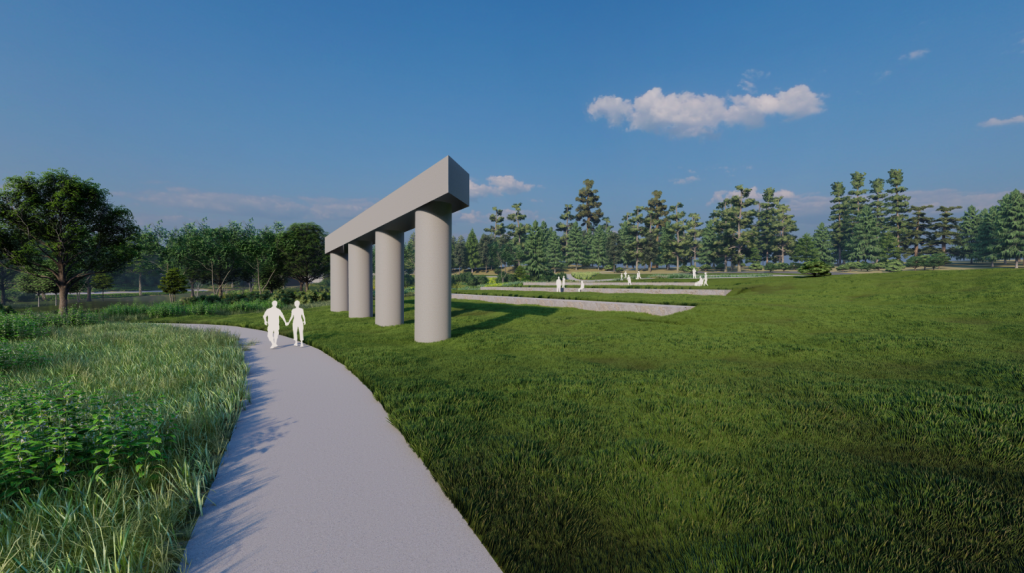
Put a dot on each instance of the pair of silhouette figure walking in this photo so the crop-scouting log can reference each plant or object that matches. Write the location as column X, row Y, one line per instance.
column 272, row 318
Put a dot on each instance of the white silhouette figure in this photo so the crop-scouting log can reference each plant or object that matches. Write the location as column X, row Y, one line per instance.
column 638, row 274
column 629, row 281
column 581, row 286
column 558, row 284
column 271, row 318
column 298, row 322
column 694, row 269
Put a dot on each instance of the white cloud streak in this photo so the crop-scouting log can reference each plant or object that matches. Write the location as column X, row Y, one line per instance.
column 499, row 185
column 689, row 115
column 996, row 122
column 747, row 83
column 916, row 54
column 472, row 217
column 686, row 180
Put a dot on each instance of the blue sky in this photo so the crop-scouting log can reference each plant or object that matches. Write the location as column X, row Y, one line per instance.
column 312, row 112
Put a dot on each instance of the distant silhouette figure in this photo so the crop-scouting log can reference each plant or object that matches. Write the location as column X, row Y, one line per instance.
column 638, row 274
column 694, row 269
column 298, row 322
column 271, row 318
column 581, row 286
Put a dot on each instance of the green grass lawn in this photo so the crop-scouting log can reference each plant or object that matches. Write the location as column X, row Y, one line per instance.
column 853, row 423
column 117, row 521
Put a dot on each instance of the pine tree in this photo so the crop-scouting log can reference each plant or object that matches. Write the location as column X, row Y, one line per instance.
column 588, row 212
column 839, row 216
column 741, row 219
column 946, row 227
column 556, row 254
column 473, row 250
column 918, row 227
column 966, row 238
column 987, row 244
column 885, row 244
column 598, row 246
column 518, row 231
column 563, row 227
column 1011, row 226
column 823, row 244
column 692, row 235
column 536, row 254
column 459, row 259
column 898, row 209
column 575, row 249
column 629, row 236
column 653, row 222
column 676, row 226
column 775, row 226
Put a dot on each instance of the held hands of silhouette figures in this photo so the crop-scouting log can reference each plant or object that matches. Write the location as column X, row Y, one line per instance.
column 273, row 315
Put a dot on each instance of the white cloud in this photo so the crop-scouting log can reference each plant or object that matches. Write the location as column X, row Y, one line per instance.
column 721, row 195
column 747, row 83
column 995, row 122
column 686, row 180
column 472, row 217
column 184, row 204
column 946, row 196
column 499, row 185
column 886, row 73
column 914, row 55
column 689, row 115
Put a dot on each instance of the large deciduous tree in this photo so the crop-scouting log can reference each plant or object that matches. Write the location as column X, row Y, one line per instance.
column 302, row 252
column 60, row 227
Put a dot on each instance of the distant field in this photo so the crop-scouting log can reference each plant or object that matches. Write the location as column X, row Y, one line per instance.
column 852, row 423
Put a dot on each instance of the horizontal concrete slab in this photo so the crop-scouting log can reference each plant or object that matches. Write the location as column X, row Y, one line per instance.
column 603, row 290
column 655, row 309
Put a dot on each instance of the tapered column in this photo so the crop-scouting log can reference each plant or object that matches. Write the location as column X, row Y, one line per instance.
column 433, row 272
column 360, row 281
column 339, row 281
column 388, row 260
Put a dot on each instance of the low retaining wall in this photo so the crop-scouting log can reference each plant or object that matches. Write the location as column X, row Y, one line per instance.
column 655, row 309
column 602, row 290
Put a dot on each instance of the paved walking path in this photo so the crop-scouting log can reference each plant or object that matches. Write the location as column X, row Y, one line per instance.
column 655, row 309
column 315, row 479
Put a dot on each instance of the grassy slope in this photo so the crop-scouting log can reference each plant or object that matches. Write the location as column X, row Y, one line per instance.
column 848, row 422
column 123, row 523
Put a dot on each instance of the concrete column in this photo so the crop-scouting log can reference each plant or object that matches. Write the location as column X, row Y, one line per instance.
column 339, row 281
column 360, row 281
column 389, row 263
column 433, row 272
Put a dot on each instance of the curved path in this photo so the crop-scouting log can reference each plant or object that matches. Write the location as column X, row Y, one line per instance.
column 315, row 479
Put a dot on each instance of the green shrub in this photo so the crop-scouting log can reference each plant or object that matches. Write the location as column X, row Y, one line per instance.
column 47, row 435
column 894, row 266
column 816, row 269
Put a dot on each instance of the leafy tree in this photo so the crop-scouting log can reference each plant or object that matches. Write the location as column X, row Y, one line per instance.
column 172, row 283
column 588, row 212
column 7, row 275
column 816, row 269
column 676, row 226
column 946, row 226
column 473, row 250
column 692, row 235
column 62, row 227
column 149, row 252
column 37, row 285
column 302, row 253
column 102, row 282
column 260, row 252
column 1011, row 226
column 409, row 255
column 215, row 250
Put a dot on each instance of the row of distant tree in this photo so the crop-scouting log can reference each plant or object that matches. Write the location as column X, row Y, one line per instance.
column 59, row 233
column 875, row 226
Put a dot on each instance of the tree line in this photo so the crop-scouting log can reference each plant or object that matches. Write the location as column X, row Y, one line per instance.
column 872, row 222
column 59, row 233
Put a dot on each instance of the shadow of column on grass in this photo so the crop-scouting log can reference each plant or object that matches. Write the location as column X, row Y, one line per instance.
column 508, row 313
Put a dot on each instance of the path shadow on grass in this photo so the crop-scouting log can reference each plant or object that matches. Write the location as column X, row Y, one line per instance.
column 506, row 313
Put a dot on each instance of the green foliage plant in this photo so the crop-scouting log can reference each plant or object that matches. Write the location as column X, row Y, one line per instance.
column 816, row 269
column 172, row 283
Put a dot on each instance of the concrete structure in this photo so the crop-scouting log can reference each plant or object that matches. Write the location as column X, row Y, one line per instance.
column 425, row 203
